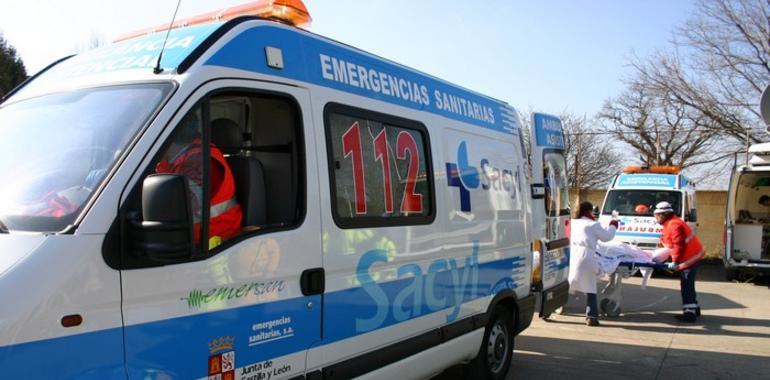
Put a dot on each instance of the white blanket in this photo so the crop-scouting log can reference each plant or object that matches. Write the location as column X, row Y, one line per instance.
column 611, row 254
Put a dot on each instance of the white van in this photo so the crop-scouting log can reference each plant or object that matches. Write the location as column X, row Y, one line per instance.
column 747, row 223
column 385, row 228
column 634, row 195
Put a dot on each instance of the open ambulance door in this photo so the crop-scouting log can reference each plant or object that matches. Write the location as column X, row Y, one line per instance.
column 550, row 212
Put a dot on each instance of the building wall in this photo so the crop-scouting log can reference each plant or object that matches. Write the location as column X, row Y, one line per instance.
column 711, row 216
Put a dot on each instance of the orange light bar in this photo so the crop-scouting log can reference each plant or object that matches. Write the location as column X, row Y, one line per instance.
column 652, row 169
column 292, row 12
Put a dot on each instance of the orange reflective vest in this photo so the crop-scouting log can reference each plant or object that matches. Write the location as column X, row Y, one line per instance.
column 686, row 249
column 225, row 214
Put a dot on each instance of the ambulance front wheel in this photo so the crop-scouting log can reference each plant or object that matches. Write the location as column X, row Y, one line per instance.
column 494, row 357
column 609, row 307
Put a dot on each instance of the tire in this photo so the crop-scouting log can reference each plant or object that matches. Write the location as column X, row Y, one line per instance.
column 494, row 358
column 609, row 308
column 731, row 274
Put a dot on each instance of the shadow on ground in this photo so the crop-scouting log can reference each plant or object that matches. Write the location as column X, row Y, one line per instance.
column 725, row 323
column 552, row 358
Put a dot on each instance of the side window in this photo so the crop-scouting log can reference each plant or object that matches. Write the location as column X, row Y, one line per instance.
column 380, row 169
column 555, row 183
column 243, row 155
column 183, row 154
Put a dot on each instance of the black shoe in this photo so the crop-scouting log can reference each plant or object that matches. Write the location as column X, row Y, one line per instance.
column 697, row 311
column 592, row 322
column 686, row 317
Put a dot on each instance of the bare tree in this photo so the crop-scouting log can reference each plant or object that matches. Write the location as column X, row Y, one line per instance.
column 591, row 156
column 719, row 66
column 658, row 127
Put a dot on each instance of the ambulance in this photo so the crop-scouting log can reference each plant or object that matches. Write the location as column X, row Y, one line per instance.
column 747, row 223
column 634, row 194
column 236, row 197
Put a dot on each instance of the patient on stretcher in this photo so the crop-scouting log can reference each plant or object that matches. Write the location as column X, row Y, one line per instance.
column 611, row 254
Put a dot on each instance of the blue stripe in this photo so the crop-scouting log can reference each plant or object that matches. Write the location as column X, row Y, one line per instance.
column 556, row 265
column 313, row 60
column 139, row 52
column 180, row 347
column 93, row 355
column 374, row 306
column 641, row 234
column 646, row 181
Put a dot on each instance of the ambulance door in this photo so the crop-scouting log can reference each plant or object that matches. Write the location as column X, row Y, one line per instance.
column 550, row 210
column 244, row 299
column 379, row 242
column 691, row 210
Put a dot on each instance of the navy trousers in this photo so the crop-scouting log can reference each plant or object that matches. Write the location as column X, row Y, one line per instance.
column 687, row 287
column 592, row 309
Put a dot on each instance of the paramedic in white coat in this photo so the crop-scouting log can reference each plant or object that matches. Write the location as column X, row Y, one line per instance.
column 583, row 267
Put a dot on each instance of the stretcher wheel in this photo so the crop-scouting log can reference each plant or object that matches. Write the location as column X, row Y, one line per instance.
column 609, row 307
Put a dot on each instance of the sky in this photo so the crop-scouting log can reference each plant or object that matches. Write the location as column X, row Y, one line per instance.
column 548, row 56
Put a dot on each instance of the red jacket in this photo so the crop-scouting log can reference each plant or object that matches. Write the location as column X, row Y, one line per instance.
column 686, row 250
column 225, row 214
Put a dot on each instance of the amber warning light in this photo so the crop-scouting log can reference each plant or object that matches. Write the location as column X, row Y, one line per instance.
column 292, row 12
column 652, row 169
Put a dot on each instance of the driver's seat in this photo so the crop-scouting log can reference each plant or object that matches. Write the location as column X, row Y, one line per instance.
column 247, row 171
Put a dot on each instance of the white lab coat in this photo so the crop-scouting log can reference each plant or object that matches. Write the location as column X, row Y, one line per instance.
column 583, row 266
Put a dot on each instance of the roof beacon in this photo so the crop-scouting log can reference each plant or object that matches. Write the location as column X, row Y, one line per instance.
column 652, row 169
column 292, row 12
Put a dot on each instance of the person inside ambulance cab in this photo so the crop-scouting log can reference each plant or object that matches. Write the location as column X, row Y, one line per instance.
column 184, row 156
column 685, row 251
column 641, row 208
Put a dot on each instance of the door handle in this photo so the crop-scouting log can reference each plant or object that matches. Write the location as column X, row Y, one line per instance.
column 312, row 281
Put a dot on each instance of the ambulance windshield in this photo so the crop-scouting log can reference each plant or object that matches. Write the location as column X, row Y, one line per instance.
column 640, row 202
column 56, row 150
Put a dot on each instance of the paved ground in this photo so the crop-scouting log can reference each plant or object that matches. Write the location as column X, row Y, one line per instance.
column 731, row 340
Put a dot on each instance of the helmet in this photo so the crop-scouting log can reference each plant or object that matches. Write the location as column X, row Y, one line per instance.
column 663, row 207
column 641, row 208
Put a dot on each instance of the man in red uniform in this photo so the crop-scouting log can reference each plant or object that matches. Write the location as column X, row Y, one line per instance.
column 686, row 251
column 185, row 157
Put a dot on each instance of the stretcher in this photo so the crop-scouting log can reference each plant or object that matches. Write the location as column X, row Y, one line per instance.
column 612, row 294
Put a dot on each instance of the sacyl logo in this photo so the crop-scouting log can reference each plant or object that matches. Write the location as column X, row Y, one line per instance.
column 466, row 177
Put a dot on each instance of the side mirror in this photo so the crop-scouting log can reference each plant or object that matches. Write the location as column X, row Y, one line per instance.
column 693, row 217
column 166, row 231
column 595, row 211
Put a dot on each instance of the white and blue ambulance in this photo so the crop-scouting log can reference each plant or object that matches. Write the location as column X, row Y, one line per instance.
column 386, row 215
column 634, row 194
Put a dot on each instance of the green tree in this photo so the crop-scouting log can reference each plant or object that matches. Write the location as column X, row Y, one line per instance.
column 12, row 71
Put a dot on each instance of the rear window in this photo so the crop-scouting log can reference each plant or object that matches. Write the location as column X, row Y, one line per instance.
column 640, row 202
